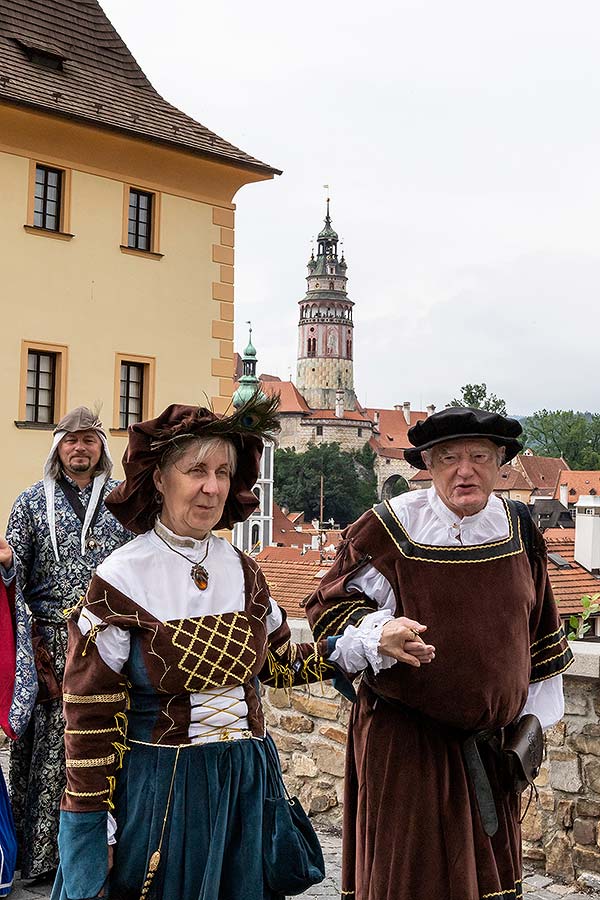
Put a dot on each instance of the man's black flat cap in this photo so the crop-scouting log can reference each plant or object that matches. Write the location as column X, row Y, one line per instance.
column 462, row 422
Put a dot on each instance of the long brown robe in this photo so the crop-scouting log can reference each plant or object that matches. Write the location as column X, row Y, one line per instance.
column 412, row 829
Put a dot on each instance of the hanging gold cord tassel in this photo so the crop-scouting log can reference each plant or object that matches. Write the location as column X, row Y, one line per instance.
column 155, row 858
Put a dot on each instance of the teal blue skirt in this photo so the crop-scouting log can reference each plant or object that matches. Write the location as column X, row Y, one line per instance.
column 210, row 842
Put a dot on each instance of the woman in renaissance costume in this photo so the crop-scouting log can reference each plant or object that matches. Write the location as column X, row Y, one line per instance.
column 165, row 734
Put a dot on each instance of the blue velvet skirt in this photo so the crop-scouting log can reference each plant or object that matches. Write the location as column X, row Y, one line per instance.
column 8, row 842
column 202, row 807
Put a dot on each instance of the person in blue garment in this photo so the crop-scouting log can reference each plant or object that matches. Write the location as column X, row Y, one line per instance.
column 59, row 530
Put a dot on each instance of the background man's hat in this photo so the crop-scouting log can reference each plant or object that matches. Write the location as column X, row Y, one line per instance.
column 462, row 422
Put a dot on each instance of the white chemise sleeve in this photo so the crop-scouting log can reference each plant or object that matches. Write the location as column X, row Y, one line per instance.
column 546, row 701
column 359, row 645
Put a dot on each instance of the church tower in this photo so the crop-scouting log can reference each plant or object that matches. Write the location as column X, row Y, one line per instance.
column 325, row 330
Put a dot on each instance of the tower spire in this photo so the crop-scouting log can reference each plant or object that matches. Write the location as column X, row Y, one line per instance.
column 325, row 330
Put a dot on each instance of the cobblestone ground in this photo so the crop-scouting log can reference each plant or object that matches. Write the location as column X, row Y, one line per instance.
column 535, row 885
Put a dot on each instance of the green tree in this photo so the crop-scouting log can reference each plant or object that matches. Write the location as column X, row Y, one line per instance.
column 477, row 397
column 573, row 435
column 349, row 481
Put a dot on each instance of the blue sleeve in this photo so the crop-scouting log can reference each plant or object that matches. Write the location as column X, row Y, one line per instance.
column 83, row 847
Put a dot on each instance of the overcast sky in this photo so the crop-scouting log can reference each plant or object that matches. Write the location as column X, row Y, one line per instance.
column 461, row 142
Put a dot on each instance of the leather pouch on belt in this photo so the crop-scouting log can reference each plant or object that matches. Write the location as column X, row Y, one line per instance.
column 49, row 687
column 523, row 750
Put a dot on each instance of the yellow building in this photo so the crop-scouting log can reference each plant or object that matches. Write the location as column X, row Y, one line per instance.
column 117, row 237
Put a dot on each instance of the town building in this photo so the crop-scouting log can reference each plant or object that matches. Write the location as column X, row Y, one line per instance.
column 117, row 232
column 573, row 483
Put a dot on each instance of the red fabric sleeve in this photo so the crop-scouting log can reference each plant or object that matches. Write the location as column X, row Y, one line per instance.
column 7, row 655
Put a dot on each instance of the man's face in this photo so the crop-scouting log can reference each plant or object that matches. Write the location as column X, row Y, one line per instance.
column 464, row 473
column 80, row 451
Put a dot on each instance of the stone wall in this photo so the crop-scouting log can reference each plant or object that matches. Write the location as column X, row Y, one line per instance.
column 561, row 829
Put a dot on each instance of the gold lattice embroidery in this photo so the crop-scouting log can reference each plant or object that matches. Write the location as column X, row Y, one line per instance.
column 223, row 648
column 95, row 698
column 90, row 763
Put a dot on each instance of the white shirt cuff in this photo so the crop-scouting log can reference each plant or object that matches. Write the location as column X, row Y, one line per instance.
column 111, row 829
column 359, row 645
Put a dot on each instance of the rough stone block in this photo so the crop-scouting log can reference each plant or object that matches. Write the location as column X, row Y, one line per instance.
column 564, row 771
column 584, row 831
column 586, row 859
column 589, row 880
column 547, row 801
column 279, row 697
column 565, row 812
column 316, row 706
column 330, row 760
column 287, row 743
column 586, row 743
column 558, row 857
column 271, row 717
column 304, row 766
column 543, row 778
column 339, row 735
column 532, row 826
column 533, row 853
column 587, row 807
column 591, row 774
column 555, row 736
column 296, row 724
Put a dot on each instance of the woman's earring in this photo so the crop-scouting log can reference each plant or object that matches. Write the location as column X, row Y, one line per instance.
column 158, row 497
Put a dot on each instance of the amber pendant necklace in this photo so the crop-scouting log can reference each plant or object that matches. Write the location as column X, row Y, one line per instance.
column 198, row 574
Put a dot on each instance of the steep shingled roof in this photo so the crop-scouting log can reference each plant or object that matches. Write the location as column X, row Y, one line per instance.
column 96, row 80
column 541, row 471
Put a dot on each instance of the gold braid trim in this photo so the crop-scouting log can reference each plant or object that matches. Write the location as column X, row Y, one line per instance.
column 90, row 730
column 281, row 674
column 95, row 698
column 86, row 793
column 89, row 763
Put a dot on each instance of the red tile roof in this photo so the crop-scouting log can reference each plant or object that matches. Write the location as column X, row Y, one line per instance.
column 542, row 471
column 421, row 475
column 97, row 81
column 511, row 479
column 291, row 400
column 578, row 483
column 568, row 585
column 292, row 581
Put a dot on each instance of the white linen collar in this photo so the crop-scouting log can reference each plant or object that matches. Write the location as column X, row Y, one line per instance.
column 178, row 541
column 490, row 511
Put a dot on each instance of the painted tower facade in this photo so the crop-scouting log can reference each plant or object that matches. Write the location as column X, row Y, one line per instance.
column 255, row 533
column 325, row 331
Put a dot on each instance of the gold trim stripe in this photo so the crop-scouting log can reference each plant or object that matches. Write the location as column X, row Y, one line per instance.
column 86, row 793
column 90, row 730
column 546, row 637
column 94, row 698
column 90, row 763
column 450, row 562
column 465, row 548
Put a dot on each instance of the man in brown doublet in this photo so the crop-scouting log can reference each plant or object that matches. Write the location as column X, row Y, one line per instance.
column 412, row 826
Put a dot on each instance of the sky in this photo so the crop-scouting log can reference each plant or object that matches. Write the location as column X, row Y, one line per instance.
column 461, row 145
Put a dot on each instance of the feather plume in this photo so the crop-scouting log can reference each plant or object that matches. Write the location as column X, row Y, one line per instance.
column 257, row 417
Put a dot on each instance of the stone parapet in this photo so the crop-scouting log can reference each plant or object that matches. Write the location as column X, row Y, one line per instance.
column 561, row 828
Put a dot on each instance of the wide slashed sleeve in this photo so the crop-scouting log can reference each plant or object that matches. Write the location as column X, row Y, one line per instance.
column 338, row 603
column 95, row 696
column 550, row 651
column 289, row 664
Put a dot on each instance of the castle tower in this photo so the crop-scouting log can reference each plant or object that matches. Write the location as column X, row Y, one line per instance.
column 325, row 329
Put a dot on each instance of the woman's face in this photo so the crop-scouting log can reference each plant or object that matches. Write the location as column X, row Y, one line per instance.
column 194, row 493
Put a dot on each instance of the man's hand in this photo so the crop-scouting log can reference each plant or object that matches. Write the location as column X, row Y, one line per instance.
column 6, row 554
column 401, row 639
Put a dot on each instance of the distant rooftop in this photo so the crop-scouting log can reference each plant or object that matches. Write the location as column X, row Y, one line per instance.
column 65, row 57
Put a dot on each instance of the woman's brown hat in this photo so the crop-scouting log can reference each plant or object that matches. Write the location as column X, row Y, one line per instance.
column 134, row 502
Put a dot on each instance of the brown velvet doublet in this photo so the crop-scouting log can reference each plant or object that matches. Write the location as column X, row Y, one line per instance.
column 412, row 829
